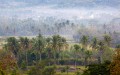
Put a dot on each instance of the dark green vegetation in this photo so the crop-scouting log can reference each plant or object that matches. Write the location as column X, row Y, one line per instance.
column 55, row 56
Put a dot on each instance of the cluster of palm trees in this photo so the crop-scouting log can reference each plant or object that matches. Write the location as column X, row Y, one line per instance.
column 96, row 45
column 54, row 47
column 51, row 46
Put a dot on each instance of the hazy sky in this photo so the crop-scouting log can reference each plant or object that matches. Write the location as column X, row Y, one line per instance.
column 80, row 9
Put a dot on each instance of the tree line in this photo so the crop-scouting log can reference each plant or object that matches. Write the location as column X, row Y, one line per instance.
column 22, row 53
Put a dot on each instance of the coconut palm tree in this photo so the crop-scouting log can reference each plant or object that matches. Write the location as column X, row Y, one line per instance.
column 24, row 43
column 48, row 48
column 39, row 45
column 62, row 45
column 107, row 40
column 58, row 43
column 84, row 40
column 100, row 50
column 77, row 48
column 55, row 41
column 87, row 56
column 94, row 43
column 13, row 45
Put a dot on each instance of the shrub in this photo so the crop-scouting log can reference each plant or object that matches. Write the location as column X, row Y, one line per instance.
column 23, row 65
column 98, row 69
column 49, row 70
column 42, row 69
column 77, row 73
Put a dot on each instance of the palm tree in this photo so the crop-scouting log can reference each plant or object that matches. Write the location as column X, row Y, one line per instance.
column 62, row 44
column 24, row 42
column 13, row 45
column 94, row 43
column 48, row 48
column 87, row 56
column 39, row 45
column 67, row 68
column 107, row 39
column 101, row 50
column 55, row 45
column 77, row 48
column 58, row 44
column 84, row 41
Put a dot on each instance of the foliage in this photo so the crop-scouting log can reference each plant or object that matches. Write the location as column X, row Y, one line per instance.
column 23, row 65
column 37, row 69
column 94, row 43
column 115, row 65
column 118, row 46
column 77, row 73
column 2, row 72
column 15, row 72
column 7, row 61
column 84, row 40
column 108, row 54
column 98, row 69
column 65, row 69
column 31, row 55
column 13, row 45
column 107, row 39
column 49, row 70
column 42, row 69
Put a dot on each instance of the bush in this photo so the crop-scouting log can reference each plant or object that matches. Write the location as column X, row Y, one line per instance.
column 98, row 69
column 23, row 65
column 42, row 69
column 34, row 71
column 15, row 72
column 77, row 73
column 49, row 70
column 62, row 62
column 63, row 70
column 2, row 72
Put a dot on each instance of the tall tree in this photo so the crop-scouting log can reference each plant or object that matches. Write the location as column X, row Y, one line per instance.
column 100, row 50
column 55, row 45
column 49, row 48
column 39, row 45
column 87, row 56
column 58, row 43
column 84, row 41
column 94, row 43
column 24, row 42
column 107, row 40
column 13, row 46
column 62, row 44
column 77, row 49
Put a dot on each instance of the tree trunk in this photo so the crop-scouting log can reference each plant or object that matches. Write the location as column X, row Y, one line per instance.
column 100, row 56
column 26, row 60
column 85, row 61
column 99, row 59
column 49, row 58
column 75, row 62
column 40, row 56
column 54, row 58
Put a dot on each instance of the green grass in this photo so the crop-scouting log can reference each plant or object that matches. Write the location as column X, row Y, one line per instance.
column 65, row 73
